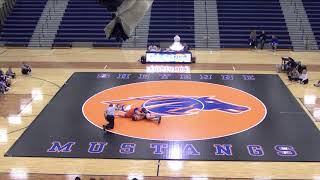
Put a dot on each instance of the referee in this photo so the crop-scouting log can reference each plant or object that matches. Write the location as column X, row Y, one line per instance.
column 109, row 116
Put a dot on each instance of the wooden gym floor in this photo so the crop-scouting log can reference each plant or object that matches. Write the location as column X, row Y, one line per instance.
column 51, row 68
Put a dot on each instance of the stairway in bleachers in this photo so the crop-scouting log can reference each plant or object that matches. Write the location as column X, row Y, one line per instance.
column 171, row 17
column 21, row 22
column 237, row 18
column 206, row 25
column 313, row 11
column 48, row 24
column 84, row 22
column 299, row 28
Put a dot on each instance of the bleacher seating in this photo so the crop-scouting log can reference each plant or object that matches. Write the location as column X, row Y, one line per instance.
column 84, row 21
column 237, row 18
column 312, row 8
column 171, row 17
column 20, row 25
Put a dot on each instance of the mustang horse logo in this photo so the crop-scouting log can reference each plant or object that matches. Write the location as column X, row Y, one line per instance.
column 178, row 105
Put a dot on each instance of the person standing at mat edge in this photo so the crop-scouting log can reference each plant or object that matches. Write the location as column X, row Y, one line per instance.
column 109, row 116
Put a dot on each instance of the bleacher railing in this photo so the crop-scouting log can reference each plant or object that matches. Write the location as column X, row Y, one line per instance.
column 5, row 8
column 46, row 24
column 304, row 36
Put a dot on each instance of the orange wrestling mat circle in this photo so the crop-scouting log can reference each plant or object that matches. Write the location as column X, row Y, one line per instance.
column 190, row 110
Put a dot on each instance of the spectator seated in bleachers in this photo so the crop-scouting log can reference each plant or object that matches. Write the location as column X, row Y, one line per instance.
column 153, row 48
column 25, row 69
column 274, row 43
column 10, row 73
column 253, row 40
column 262, row 39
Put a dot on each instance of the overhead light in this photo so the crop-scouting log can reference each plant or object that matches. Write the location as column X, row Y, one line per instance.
column 37, row 94
column 18, row 173
column 199, row 178
column 72, row 176
column 3, row 136
column 310, row 99
column 14, row 119
column 175, row 152
column 26, row 108
column 137, row 176
column 175, row 165
column 316, row 113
